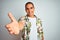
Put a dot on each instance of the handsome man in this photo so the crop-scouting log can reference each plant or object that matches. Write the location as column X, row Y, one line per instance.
column 30, row 25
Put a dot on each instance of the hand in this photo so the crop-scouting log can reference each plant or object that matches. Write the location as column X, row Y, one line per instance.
column 14, row 27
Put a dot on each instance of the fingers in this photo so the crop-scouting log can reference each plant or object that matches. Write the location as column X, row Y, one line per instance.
column 11, row 16
column 9, row 28
column 13, row 28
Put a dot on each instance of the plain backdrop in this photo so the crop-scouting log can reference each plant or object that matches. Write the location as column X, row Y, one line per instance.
column 47, row 10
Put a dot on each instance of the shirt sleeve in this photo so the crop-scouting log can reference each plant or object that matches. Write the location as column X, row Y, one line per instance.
column 23, row 30
column 40, row 29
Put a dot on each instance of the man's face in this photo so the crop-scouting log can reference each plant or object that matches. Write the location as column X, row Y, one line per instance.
column 30, row 9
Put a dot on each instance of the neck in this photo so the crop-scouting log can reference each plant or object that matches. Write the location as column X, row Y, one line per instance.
column 31, row 16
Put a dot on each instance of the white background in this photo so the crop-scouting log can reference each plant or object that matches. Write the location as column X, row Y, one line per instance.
column 47, row 10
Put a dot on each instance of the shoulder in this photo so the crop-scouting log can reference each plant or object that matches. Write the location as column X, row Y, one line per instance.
column 39, row 22
column 21, row 18
column 38, row 19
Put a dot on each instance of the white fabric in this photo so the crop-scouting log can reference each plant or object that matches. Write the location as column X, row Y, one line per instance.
column 33, row 32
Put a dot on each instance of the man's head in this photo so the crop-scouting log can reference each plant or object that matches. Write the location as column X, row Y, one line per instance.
column 29, row 7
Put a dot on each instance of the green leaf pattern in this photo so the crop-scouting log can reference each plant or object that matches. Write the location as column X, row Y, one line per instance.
column 27, row 26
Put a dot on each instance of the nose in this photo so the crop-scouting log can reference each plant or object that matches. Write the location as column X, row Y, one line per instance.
column 29, row 10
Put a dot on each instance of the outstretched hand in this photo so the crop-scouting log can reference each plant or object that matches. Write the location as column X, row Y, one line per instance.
column 14, row 27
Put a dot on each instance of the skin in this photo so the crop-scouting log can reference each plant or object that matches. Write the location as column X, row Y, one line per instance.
column 14, row 27
column 30, row 10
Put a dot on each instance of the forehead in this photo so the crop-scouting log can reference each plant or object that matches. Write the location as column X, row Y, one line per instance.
column 29, row 5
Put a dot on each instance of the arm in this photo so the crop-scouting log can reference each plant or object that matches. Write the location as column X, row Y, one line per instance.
column 40, row 32
column 14, row 27
column 40, row 29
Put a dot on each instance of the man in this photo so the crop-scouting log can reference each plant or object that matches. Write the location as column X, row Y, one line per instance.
column 30, row 25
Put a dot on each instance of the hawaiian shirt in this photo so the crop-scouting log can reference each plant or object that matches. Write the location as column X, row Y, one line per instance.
column 26, row 30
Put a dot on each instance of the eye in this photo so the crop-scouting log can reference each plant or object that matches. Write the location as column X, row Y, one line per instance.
column 27, row 8
column 31, row 8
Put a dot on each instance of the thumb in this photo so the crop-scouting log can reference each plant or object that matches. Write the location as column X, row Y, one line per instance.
column 11, row 16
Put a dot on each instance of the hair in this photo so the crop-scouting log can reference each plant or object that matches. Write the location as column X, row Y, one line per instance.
column 29, row 3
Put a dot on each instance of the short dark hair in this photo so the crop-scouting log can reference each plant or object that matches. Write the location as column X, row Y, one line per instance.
column 29, row 3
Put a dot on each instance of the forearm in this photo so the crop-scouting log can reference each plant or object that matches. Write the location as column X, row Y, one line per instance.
column 42, row 37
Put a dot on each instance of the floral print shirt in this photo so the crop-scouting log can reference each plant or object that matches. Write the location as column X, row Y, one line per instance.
column 26, row 30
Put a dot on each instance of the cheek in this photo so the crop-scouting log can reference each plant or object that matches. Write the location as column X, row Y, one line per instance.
column 27, row 11
column 32, row 11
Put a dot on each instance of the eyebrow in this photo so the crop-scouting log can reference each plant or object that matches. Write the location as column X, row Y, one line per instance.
column 30, row 7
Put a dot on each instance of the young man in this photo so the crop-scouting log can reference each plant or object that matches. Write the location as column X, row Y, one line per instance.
column 30, row 25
